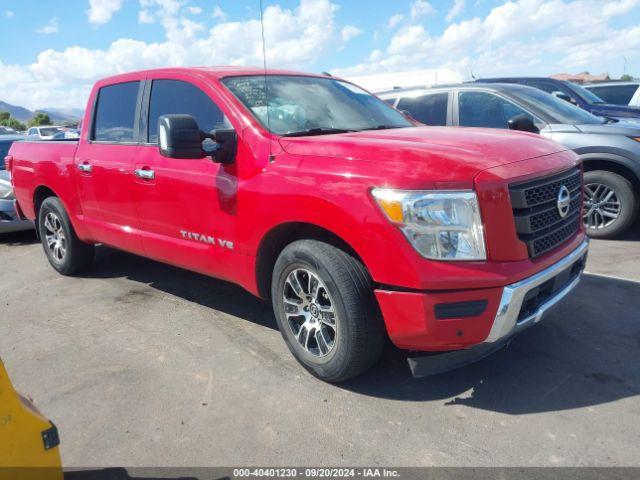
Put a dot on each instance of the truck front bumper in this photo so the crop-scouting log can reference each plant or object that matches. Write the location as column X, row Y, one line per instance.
column 486, row 318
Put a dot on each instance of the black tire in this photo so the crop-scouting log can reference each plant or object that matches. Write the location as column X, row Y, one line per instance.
column 626, row 196
column 359, row 333
column 77, row 255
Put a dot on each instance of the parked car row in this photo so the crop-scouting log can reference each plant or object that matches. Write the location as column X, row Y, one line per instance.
column 608, row 147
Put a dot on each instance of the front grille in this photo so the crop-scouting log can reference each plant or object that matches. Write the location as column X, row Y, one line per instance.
column 537, row 217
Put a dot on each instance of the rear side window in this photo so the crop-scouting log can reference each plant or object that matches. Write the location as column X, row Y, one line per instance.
column 115, row 113
column 481, row 109
column 616, row 94
column 178, row 97
column 428, row 109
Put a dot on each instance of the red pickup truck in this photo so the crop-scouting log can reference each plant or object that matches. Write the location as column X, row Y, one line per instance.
column 356, row 222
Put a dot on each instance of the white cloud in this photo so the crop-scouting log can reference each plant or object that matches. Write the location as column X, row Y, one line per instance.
column 218, row 13
column 145, row 17
column 518, row 37
column 456, row 9
column 348, row 32
column 101, row 11
column 394, row 20
column 421, row 8
column 9, row 13
column 49, row 28
column 295, row 38
column 194, row 10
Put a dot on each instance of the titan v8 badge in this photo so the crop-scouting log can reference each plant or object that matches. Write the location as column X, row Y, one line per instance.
column 200, row 237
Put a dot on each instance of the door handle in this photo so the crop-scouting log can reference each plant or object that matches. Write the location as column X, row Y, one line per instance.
column 145, row 173
column 84, row 167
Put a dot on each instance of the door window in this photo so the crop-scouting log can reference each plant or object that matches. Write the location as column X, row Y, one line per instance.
column 615, row 94
column 482, row 109
column 115, row 113
column 429, row 109
column 178, row 97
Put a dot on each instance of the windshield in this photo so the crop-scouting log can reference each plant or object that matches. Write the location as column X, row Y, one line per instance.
column 586, row 95
column 312, row 105
column 49, row 131
column 559, row 110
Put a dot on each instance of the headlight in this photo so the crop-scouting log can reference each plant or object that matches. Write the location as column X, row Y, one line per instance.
column 441, row 225
column 6, row 191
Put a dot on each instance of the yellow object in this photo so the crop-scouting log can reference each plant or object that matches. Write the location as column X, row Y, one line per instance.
column 28, row 441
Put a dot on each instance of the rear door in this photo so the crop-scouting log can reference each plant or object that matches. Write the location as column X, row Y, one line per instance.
column 430, row 109
column 187, row 207
column 104, row 166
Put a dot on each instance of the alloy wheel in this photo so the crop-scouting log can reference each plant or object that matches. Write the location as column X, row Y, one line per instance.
column 55, row 237
column 310, row 312
column 601, row 206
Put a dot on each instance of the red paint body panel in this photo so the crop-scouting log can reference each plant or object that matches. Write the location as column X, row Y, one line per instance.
column 323, row 181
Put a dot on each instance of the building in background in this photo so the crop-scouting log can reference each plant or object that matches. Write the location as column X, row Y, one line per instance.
column 584, row 77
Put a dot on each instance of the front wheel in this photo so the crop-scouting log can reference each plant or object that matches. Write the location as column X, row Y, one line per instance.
column 65, row 251
column 610, row 204
column 326, row 311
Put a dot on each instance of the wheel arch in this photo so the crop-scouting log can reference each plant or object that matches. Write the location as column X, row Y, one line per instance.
column 278, row 237
column 623, row 166
column 40, row 193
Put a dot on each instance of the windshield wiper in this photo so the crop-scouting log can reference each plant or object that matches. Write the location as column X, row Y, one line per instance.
column 382, row 127
column 317, row 131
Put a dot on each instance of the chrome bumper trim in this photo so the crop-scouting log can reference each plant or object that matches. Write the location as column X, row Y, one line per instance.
column 506, row 322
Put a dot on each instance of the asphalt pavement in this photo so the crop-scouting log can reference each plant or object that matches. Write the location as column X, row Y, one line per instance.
column 142, row 364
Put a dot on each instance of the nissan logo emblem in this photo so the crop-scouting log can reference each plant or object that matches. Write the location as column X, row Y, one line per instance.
column 564, row 201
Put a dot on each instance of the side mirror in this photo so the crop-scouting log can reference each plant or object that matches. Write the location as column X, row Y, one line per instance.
column 227, row 141
column 180, row 137
column 563, row 96
column 522, row 123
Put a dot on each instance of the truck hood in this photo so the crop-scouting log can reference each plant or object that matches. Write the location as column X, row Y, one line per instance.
column 454, row 153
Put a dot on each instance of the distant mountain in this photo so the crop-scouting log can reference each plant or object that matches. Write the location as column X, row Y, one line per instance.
column 19, row 113
column 57, row 115
column 71, row 113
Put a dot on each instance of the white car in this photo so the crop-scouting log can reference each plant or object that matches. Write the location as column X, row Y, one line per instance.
column 617, row 93
column 45, row 132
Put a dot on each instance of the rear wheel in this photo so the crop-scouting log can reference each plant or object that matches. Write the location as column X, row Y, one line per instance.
column 611, row 204
column 326, row 311
column 65, row 251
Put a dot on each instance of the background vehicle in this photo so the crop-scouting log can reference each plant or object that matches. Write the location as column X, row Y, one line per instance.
column 28, row 439
column 46, row 133
column 7, row 131
column 617, row 93
column 355, row 222
column 572, row 93
column 67, row 134
column 610, row 150
column 9, row 221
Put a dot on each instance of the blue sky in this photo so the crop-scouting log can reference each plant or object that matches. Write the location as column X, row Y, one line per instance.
column 52, row 51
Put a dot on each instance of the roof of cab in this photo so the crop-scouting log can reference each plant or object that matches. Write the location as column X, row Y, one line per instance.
column 216, row 72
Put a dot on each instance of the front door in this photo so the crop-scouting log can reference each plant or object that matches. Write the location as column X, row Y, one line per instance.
column 186, row 207
column 104, row 166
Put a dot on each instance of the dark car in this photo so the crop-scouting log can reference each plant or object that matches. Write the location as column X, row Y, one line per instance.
column 9, row 221
column 572, row 93
column 610, row 149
